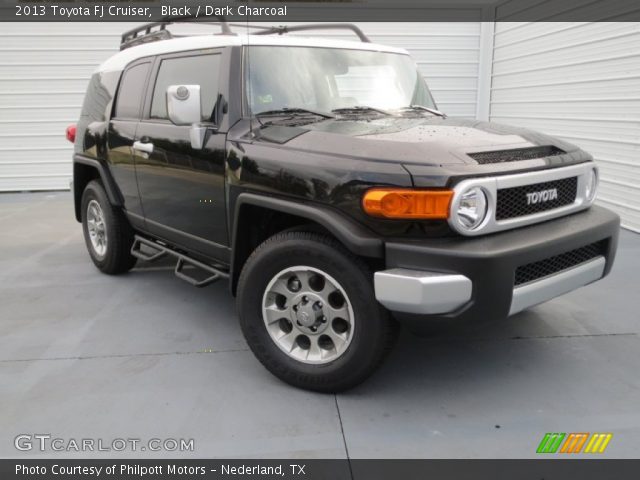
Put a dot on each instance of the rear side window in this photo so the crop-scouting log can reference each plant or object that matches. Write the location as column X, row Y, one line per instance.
column 131, row 91
column 195, row 70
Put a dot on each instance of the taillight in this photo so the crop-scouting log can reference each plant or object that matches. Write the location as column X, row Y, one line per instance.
column 71, row 133
column 407, row 204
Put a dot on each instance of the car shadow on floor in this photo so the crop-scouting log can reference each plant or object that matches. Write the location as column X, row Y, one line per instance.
column 474, row 348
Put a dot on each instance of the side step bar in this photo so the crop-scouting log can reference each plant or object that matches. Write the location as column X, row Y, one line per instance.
column 159, row 251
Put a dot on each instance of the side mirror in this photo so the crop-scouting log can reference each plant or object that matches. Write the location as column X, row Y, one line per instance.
column 183, row 108
column 183, row 104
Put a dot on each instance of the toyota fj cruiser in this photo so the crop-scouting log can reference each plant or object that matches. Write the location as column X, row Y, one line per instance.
column 320, row 180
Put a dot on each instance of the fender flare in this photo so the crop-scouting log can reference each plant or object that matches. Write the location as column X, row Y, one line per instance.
column 352, row 235
column 113, row 193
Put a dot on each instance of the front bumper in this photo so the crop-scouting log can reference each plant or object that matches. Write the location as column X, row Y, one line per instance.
column 474, row 278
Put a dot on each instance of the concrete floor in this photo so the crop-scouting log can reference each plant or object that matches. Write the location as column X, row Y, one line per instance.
column 145, row 355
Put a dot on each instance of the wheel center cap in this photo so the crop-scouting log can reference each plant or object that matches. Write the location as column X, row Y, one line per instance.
column 305, row 319
column 308, row 310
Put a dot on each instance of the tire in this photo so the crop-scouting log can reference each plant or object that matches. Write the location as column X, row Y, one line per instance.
column 113, row 255
column 341, row 352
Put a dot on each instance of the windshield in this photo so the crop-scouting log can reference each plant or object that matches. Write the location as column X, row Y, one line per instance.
column 327, row 79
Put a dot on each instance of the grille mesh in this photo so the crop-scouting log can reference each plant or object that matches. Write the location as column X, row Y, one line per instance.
column 512, row 202
column 515, row 155
column 537, row 270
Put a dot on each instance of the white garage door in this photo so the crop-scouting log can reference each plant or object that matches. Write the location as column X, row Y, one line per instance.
column 44, row 69
column 581, row 82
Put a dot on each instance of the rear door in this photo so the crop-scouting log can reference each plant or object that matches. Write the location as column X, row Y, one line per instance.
column 122, row 130
column 181, row 188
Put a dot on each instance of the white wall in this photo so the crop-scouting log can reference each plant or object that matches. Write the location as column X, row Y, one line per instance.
column 581, row 82
column 44, row 70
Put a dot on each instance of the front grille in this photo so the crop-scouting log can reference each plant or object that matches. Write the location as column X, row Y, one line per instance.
column 528, row 199
column 537, row 270
column 515, row 155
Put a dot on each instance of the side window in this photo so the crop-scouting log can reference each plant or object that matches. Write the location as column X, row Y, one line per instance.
column 196, row 70
column 131, row 91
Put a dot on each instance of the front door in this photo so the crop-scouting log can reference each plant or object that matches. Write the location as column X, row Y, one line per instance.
column 181, row 188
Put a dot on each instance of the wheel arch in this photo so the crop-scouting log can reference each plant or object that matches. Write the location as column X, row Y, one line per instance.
column 257, row 217
column 86, row 169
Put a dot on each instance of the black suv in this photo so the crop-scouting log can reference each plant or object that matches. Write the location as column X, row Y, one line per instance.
column 319, row 179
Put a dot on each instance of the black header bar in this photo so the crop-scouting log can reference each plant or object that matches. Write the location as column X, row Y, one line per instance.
column 300, row 469
column 323, row 11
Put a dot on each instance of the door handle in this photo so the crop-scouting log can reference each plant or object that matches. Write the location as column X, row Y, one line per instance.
column 143, row 147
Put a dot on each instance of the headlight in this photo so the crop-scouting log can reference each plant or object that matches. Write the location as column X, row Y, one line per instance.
column 472, row 208
column 592, row 185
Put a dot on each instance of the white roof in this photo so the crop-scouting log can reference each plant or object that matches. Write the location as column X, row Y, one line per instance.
column 120, row 60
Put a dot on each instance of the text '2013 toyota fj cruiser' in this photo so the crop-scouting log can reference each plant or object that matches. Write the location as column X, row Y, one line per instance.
column 319, row 179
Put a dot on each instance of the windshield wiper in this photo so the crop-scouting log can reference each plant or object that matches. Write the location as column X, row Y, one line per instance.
column 424, row 109
column 292, row 112
column 359, row 109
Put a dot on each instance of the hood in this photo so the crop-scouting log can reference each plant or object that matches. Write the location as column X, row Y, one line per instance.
column 424, row 141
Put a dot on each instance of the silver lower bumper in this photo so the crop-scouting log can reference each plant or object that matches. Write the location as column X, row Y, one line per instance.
column 546, row 288
column 432, row 293
column 414, row 291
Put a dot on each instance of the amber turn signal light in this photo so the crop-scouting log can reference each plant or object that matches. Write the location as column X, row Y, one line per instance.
column 404, row 203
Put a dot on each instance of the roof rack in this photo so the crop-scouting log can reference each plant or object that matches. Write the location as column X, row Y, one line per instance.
column 156, row 31
column 281, row 30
